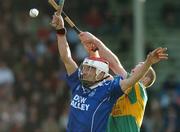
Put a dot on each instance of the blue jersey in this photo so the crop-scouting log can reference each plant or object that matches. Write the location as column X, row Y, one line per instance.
column 90, row 108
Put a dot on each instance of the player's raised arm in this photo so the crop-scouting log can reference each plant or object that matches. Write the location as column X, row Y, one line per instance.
column 63, row 46
column 90, row 41
column 153, row 57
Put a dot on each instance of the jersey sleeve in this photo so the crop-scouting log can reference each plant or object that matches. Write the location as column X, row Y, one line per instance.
column 116, row 89
column 73, row 80
column 137, row 92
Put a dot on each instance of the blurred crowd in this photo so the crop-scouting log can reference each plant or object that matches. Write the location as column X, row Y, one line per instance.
column 33, row 94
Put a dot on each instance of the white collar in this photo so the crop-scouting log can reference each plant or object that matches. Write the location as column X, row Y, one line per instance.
column 96, row 85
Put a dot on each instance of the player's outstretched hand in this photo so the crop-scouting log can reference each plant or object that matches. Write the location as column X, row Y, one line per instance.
column 157, row 55
column 57, row 21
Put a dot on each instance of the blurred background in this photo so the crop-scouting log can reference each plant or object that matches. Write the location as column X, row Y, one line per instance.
column 33, row 94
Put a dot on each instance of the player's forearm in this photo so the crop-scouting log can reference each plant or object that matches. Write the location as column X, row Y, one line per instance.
column 113, row 60
column 129, row 82
column 63, row 48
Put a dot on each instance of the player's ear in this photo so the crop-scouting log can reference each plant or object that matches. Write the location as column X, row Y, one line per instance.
column 146, row 81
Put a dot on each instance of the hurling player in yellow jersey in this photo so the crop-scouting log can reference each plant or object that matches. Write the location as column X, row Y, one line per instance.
column 128, row 112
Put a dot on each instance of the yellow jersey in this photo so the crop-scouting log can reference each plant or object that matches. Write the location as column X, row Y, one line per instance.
column 127, row 114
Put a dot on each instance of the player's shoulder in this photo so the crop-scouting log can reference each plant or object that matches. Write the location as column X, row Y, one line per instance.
column 138, row 86
column 114, row 78
column 112, row 82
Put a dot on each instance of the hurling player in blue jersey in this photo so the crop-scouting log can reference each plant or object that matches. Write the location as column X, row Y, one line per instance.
column 94, row 91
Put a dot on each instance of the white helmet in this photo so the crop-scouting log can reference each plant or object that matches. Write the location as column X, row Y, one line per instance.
column 99, row 63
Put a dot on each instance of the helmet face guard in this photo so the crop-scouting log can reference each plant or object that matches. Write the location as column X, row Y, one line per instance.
column 100, row 64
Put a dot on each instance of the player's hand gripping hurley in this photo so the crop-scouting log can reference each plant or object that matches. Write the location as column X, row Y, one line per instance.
column 59, row 9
